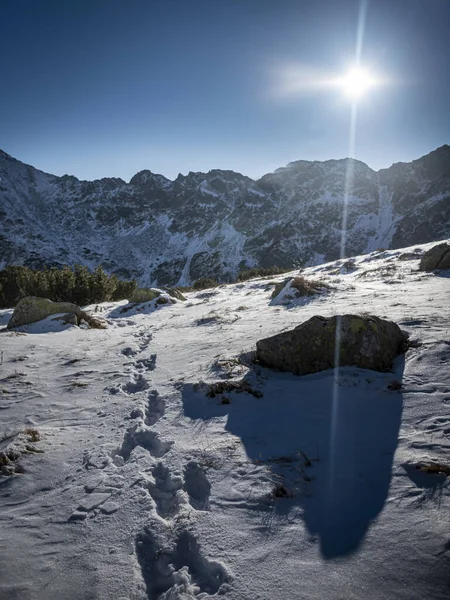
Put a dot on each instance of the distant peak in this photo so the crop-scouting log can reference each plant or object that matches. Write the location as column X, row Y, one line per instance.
column 302, row 166
column 143, row 177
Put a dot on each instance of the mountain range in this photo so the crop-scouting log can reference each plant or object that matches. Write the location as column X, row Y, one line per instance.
column 221, row 222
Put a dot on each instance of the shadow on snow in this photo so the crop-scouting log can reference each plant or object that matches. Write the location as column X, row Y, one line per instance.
column 352, row 452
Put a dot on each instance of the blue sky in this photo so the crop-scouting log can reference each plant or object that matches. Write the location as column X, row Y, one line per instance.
column 108, row 87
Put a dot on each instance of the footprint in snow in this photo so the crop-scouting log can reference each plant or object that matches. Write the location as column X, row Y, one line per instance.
column 197, row 486
column 155, row 409
column 188, row 566
column 128, row 351
column 146, row 364
column 164, row 490
column 144, row 338
column 151, row 412
column 145, row 438
column 139, row 384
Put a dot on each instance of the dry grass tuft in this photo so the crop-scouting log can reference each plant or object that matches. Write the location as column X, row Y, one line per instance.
column 435, row 468
column 303, row 286
column 220, row 387
column 79, row 384
column 394, row 385
column 279, row 491
column 33, row 434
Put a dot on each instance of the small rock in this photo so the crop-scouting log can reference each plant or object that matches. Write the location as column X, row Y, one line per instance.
column 92, row 501
column 108, row 508
column 90, row 487
column 77, row 516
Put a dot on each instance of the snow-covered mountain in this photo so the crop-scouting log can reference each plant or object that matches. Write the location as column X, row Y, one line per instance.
column 220, row 222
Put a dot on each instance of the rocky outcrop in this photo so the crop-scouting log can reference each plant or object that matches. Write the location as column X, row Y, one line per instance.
column 364, row 341
column 438, row 257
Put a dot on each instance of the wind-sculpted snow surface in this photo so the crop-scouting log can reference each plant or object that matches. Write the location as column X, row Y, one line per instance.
column 156, row 460
column 217, row 223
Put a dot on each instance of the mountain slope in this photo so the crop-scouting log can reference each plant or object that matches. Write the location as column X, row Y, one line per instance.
column 220, row 222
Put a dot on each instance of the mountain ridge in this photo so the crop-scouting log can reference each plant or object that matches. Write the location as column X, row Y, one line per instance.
column 438, row 150
column 220, row 222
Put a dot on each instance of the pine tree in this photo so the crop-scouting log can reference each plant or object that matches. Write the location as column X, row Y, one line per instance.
column 102, row 286
column 82, row 291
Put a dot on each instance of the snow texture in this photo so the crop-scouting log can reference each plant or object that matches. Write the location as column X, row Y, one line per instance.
column 145, row 485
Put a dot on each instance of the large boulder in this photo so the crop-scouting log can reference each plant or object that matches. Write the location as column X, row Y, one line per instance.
column 364, row 341
column 141, row 295
column 438, row 257
column 32, row 309
column 175, row 293
column 144, row 295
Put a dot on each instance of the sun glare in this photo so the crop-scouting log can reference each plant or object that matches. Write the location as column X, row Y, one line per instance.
column 357, row 82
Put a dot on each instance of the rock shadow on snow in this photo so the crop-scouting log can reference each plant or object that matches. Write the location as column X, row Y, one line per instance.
column 348, row 422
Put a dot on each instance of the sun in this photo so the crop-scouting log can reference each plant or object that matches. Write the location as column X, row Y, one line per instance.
column 357, row 82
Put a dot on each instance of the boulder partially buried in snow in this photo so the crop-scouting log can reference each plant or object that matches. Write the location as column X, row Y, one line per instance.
column 144, row 295
column 364, row 341
column 297, row 287
column 438, row 257
column 67, row 319
column 32, row 309
column 175, row 293
column 141, row 295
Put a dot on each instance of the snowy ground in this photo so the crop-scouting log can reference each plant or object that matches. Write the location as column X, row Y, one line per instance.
column 147, row 488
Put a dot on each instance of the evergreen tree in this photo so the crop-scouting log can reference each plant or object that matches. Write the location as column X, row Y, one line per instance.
column 65, row 284
column 102, row 286
column 82, row 289
column 124, row 289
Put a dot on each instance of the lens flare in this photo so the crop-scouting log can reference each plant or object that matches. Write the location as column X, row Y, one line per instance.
column 357, row 82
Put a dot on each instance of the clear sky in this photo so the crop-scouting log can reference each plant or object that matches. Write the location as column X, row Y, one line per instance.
column 98, row 88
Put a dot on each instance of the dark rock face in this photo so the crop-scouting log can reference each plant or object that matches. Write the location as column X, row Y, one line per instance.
column 438, row 257
column 214, row 224
column 366, row 342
